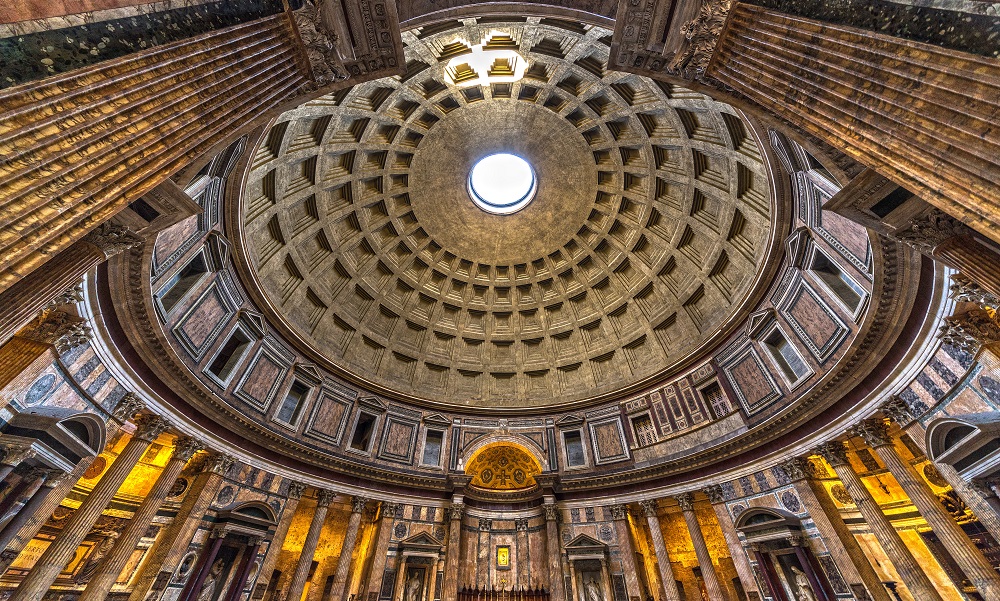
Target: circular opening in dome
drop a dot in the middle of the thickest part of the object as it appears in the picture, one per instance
(502, 183)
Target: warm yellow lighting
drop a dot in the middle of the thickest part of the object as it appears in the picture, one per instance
(493, 61)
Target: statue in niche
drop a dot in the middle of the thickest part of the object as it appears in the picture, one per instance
(803, 590)
(100, 550)
(211, 581)
(593, 590)
(412, 588)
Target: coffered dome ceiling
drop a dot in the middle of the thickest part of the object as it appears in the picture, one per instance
(647, 235)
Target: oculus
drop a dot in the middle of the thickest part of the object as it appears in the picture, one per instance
(502, 183)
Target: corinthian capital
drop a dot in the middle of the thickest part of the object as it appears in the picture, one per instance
(128, 406)
(295, 490)
(58, 328)
(325, 497)
(930, 230)
(358, 504)
(874, 431)
(970, 330)
(686, 501)
(898, 410)
(185, 447)
(834, 452)
(113, 239)
(649, 507)
(964, 290)
(797, 468)
(715, 494)
(148, 427)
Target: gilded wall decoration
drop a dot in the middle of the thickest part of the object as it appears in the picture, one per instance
(503, 467)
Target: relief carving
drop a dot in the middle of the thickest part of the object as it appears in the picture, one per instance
(692, 31)
(320, 44)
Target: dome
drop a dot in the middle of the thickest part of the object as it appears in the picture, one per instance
(648, 232)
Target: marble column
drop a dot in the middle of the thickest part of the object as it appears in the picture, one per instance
(619, 513)
(243, 569)
(988, 515)
(717, 498)
(172, 544)
(387, 516)
(909, 570)
(29, 482)
(111, 566)
(838, 539)
(453, 552)
(209, 552)
(668, 583)
(25, 525)
(14, 452)
(62, 549)
(711, 577)
(767, 571)
(340, 589)
(808, 562)
(295, 490)
(554, 548)
(483, 553)
(30, 295)
(976, 567)
(523, 553)
(298, 583)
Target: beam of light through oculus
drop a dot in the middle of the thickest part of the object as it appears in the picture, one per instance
(502, 183)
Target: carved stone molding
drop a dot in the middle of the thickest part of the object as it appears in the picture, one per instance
(295, 490)
(927, 232)
(964, 290)
(686, 501)
(58, 328)
(113, 239)
(148, 427)
(970, 330)
(834, 452)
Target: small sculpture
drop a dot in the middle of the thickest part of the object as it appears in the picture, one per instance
(413, 588)
(211, 581)
(593, 591)
(803, 590)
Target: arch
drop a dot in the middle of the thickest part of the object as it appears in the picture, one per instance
(523, 442)
(947, 436)
(756, 517)
(503, 466)
(90, 429)
(256, 510)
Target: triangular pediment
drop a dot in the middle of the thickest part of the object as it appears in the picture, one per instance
(421, 539)
(758, 321)
(584, 541)
(569, 420)
(436, 419)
